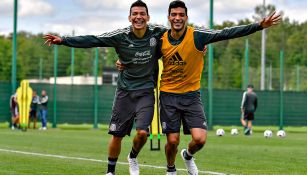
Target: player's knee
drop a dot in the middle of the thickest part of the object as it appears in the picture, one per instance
(172, 145)
(142, 134)
(116, 139)
(200, 141)
(174, 142)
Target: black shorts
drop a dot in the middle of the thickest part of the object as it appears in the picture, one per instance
(33, 114)
(185, 108)
(248, 116)
(129, 107)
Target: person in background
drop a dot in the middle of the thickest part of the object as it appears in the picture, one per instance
(44, 109)
(14, 112)
(33, 110)
(248, 108)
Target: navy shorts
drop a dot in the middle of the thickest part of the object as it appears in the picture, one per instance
(248, 115)
(181, 108)
(131, 107)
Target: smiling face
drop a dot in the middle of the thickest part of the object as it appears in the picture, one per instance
(178, 18)
(139, 17)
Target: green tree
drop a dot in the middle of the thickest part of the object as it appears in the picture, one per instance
(5, 59)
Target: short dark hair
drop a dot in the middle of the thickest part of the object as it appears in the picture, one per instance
(175, 4)
(139, 3)
(250, 86)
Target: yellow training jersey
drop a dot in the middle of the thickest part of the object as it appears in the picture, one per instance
(182, 65)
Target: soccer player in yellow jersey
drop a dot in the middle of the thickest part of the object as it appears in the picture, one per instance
(181, 49)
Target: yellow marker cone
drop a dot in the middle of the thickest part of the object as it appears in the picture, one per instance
(155, 127)
(24, 98)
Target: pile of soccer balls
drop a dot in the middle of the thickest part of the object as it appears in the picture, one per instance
(266, 134)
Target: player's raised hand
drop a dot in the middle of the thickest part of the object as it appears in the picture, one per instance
(52, 39)
(271, 20)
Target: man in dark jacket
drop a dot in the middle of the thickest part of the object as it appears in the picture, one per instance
(248, 108)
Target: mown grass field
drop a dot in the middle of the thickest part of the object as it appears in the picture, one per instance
(228, 154)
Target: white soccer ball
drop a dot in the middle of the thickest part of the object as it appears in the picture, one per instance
(281, 133)
(220, 132)
(267, 134)
(234, 131)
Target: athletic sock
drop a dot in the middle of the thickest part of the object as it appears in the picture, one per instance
(187, 155)
(247, 131)
(111, 164)
(133, 153)
(171, 168)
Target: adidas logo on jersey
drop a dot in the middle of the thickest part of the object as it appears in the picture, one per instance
(176, 60)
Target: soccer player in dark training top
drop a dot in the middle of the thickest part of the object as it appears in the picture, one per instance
(136, 46)
(248, 108)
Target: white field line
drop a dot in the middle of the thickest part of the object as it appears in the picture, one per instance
(97, 160)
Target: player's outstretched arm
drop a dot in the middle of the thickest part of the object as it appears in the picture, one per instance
(86, 41)
(52, 39)
(270, 20)
(205, 36)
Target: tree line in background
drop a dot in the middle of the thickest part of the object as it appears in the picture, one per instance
(34, 58)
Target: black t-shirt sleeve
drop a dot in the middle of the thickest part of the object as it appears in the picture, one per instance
(203, 36)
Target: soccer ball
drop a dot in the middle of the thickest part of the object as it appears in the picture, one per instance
(220, 132)
(281, 133)
(234, 131)
(267, 134)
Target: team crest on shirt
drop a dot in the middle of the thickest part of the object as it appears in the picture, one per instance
(152, 42)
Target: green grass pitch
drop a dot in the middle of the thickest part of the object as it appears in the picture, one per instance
(228, 154)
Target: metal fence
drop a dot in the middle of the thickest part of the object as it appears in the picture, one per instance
(76, 104)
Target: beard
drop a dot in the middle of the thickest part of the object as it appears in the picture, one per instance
(180, 28)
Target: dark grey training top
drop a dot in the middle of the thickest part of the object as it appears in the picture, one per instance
(249, 102)
(137, 54)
